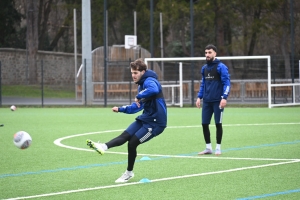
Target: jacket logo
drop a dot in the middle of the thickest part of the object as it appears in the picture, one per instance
(209, 77)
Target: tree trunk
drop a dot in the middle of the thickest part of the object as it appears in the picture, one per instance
(255, 30)
(32, 39)
(61, 30)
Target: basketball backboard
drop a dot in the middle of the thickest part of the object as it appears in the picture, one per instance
(130, 41)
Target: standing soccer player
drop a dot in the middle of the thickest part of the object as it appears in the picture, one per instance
(146, 126)
(214, 90)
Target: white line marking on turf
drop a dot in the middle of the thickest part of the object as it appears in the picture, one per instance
(154, 180)
(58, 143)
(220, 157)
(264, 124)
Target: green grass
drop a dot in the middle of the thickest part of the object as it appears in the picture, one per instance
(260, 156)
(36, 91)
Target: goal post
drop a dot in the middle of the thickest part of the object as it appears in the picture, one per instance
(280, 85)
(293, 85)
(147, 60)
(172, 86)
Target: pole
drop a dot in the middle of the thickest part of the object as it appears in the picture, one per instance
(269, 84)
(151, 31)
(130, 87)
(87, 51)
(85, 89)
(0, 85)
(180, 86)
(192, 49)
(161, 45)
(42, 80)
(27, 73)
(136, 55)
(75, 50)
(134, 14)
(105, 51)
(292, 39)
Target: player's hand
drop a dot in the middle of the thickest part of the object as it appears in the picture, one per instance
(223, 103)
(115, 109)
(198, 102)
(137, 101)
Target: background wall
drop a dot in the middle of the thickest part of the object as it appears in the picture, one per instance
(59, 68)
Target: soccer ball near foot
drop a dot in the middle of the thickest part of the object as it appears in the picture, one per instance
(22, 140)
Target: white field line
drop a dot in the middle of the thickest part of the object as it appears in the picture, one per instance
(154, 180)
(217, 157)
(263, 124)
(58, 143)
(191, 157)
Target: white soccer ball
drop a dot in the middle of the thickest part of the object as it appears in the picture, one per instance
(13, 108)
(22, 140)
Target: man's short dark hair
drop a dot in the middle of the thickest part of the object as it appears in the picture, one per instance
(211, 46)
(138, 65)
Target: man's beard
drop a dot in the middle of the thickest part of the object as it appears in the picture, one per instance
(209, 61)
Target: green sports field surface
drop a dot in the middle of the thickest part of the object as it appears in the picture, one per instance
(260, 156)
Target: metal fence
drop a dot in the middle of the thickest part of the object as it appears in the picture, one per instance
(248, 84)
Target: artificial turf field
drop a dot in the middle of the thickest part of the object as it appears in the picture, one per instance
(260, 156)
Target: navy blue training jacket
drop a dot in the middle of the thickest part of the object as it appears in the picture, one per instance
(215, 82)
(154, 109)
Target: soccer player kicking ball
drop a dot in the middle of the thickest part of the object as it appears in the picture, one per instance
(146, 126)
(214, 90)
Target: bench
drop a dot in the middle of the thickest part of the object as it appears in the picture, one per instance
(256, 89)
(114, 90)
(114, 93)
(282, 91)
(235, 90)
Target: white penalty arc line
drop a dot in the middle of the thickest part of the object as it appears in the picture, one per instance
(58, 143)
(154, 180)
